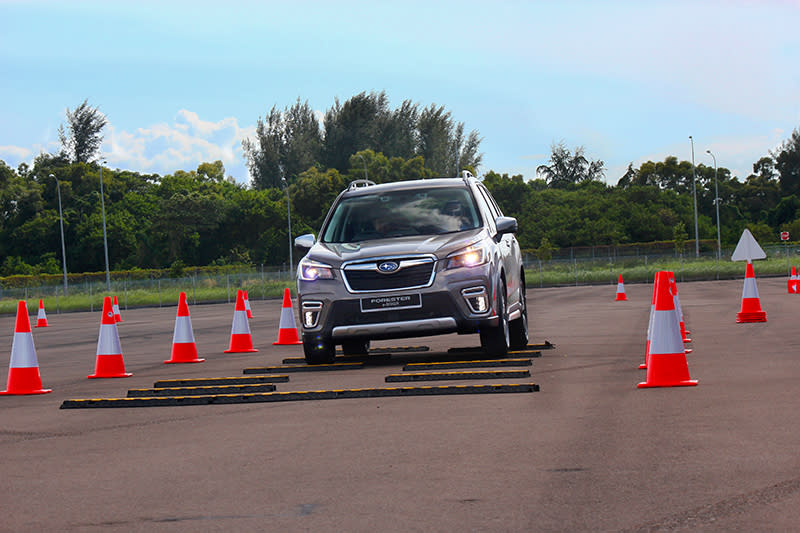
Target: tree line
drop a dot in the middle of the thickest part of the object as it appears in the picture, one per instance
(203, 217)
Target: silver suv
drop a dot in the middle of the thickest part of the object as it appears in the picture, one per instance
(410, 259)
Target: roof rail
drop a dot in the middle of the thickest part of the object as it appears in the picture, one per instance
(357, 184)
(466, 174)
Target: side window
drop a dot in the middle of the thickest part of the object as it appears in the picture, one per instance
(484, 205)
(490, 199)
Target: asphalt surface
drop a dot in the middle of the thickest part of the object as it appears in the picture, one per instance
(588, 451)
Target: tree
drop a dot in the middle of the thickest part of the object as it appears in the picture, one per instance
(787, 163)
(351, 127)
(566, 168)
(264, 155)
(83, 137)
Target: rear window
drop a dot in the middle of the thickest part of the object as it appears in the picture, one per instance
(402, 213)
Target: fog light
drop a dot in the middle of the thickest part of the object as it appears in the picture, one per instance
(476, 299)
(311, 311)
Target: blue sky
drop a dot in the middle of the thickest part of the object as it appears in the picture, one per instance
(184, 82)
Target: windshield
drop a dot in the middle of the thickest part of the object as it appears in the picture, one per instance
(402, 213)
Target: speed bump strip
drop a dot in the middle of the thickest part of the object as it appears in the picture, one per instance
(343, 359)
(298, 396)
(526, 352)
(302, 368)
(200, 391)
(468, 364)
(439, 376)
(238, 380)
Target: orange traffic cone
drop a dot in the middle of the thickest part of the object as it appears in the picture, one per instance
(751, 303)
(793, 281)
(287, 329)
(241, 340)
(184, 349)
(621, 290)
(673, 287)
(109, 363)
(117, 316)
(247, 305)
(23, 370)
(650, 324)
(666, 365)
(41, 318)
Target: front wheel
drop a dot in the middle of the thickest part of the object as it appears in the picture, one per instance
(495, 339)
(318, 350)
(518, 328)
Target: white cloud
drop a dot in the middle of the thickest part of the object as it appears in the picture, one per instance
(181, 145)
(14, 154)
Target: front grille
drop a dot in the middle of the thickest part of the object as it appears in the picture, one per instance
(413, 273)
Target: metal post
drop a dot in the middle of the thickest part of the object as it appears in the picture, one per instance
(365, 166)
(716, 203)
(61, 221)
(289, 219)
(694, 195)
(105, 238)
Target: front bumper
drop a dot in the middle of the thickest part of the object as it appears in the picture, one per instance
(455, 303)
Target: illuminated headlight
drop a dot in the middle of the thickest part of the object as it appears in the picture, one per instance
(309, 270)
(468, 257)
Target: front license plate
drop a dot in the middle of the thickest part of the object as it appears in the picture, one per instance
(391, 303)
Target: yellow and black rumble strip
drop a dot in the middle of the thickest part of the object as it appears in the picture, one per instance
(237, 380)
(440, 376)
(302, 368)
(343, 359)
(201, 391)
(528, 351)
(339, 394)
(468, 364)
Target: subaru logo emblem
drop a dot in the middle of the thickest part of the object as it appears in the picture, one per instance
(387, 267)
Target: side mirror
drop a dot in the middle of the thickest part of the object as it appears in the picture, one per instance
(505, 225)
(305, 241)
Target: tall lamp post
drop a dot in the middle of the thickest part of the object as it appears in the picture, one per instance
(365, 166)
(289, 220)
(105, 238)
(61, 221)
(694, 195)
(716, 204)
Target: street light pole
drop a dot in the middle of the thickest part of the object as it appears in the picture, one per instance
(105, 238)
(289, 220)
(365, 166)
(61, 221)
(694, 195)
(716, 204)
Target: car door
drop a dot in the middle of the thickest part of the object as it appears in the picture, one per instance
(509, 250)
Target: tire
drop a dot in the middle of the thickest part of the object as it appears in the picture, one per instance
(356, 347)
(495, 339)
(318, 351)
(518, 329)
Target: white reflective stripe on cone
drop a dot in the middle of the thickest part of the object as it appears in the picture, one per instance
(183, 330)
(41, 314)
(108, 341)
(650, 322)
(620, 287)
(23, 354)
(240, 325)
(750, 290)
(287, 318)
(668, 339)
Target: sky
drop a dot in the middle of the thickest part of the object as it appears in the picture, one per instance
(184, 82)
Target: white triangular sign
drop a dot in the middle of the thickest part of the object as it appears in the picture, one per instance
(747, 249)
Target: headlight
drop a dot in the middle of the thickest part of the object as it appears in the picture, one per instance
(468, 257)
(309, 270)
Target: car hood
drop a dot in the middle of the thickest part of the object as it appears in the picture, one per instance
(335, 254)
